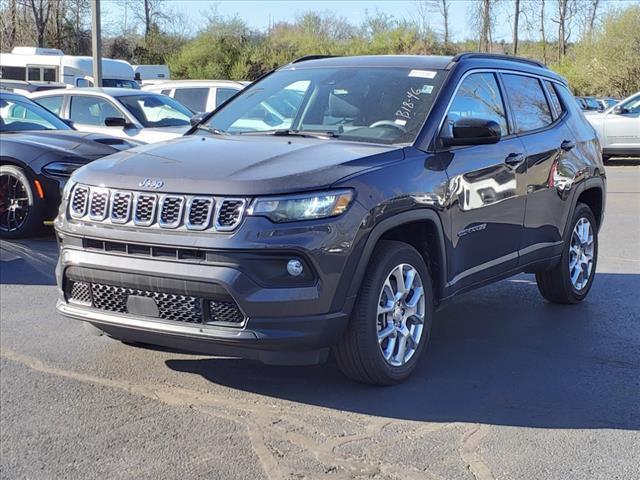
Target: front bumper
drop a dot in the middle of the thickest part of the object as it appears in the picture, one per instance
(285, 323)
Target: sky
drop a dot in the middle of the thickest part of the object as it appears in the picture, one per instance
(259, 14)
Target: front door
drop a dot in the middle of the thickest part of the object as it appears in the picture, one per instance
(486, 198)
(88, 114)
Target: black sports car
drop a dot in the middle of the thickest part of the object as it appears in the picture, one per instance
(38, 152)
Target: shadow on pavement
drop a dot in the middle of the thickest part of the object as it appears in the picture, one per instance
(500, 355)
(28, 262)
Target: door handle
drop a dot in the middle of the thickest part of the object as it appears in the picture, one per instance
(567, 145)
(514, 159)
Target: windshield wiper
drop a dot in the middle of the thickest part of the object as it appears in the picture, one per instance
(215, 131)
(286, 132)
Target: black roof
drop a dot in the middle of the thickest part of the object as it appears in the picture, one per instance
(438, 62)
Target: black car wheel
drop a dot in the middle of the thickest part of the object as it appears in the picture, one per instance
(391, 320)
(19, 207)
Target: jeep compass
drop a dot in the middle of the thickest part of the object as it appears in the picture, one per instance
(332, 206)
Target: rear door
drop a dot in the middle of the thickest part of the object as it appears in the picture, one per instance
(541, 122)
(194, 98)
(487, 198)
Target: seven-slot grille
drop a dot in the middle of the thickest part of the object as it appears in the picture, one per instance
(78, 206)
(145, 209)
(229, 213)
(170, 211)
(98, 204)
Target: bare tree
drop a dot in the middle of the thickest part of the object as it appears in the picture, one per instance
(426, 8)
(516, 19)
(483, 18)
(40, 10)
(566, 12)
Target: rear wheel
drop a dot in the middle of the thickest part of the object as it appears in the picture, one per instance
(391, 321)
(20, 209)
(570, 281)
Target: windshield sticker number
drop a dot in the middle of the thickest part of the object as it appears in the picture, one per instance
(406, 110)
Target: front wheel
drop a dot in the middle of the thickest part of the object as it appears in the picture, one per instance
(391, 321)
(570, 281)
(20, 209)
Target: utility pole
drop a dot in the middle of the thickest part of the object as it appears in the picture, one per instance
(96, 43)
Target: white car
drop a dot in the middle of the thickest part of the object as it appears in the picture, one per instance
(199, 95)
(618, 128)
(147, 117)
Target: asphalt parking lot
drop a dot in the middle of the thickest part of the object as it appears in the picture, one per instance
(511, 388)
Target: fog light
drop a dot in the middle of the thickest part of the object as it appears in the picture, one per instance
(294, 267)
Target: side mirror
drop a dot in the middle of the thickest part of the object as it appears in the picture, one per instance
(473, 131)
(619, 110)
(197, 118)
(115, 122)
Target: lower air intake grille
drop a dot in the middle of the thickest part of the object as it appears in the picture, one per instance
(178, 308)
(227, 312)
(172, 307)
(80, 293)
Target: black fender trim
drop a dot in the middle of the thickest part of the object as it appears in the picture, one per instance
(586, 184)
(423, 214)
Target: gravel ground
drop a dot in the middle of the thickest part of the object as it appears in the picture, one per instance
(511, 388)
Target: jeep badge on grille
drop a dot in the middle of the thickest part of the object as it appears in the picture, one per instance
(151, 183)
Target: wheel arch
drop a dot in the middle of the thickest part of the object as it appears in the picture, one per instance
(421, 229)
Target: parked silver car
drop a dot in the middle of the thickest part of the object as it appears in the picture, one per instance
(147, 117)
(618, 128)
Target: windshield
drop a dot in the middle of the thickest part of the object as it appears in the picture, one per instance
(156, 110)
(368, 104)
(119, 83)
(18, 116)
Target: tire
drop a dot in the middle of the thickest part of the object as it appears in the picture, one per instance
(556, 284)
(359, 354)
(24, 218)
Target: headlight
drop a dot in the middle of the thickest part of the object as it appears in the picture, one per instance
(302, 207)
(63, 169)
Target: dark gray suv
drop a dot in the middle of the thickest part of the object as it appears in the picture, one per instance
(333, 205)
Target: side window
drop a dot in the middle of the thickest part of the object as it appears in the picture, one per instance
(166, 91)
(91, 110)
(528, 103)
(52, 103)
(555, 100)
(83, 82)
(49, 74)
(479, 97)
(632, 106)
(12, 73)
(33, 74)
(193, 98)
(224, 94)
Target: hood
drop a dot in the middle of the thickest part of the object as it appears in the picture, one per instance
(89, 146)
(237, 165)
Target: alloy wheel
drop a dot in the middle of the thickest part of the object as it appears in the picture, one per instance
(581, 254)
(14, 202)
(401, 311)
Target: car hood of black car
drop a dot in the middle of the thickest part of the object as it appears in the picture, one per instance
(237, 165)
(89, 146)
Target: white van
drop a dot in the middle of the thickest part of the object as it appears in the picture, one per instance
(151, 74)
(34, 64)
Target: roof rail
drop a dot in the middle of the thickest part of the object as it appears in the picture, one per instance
(498, 56)
(312, 57)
